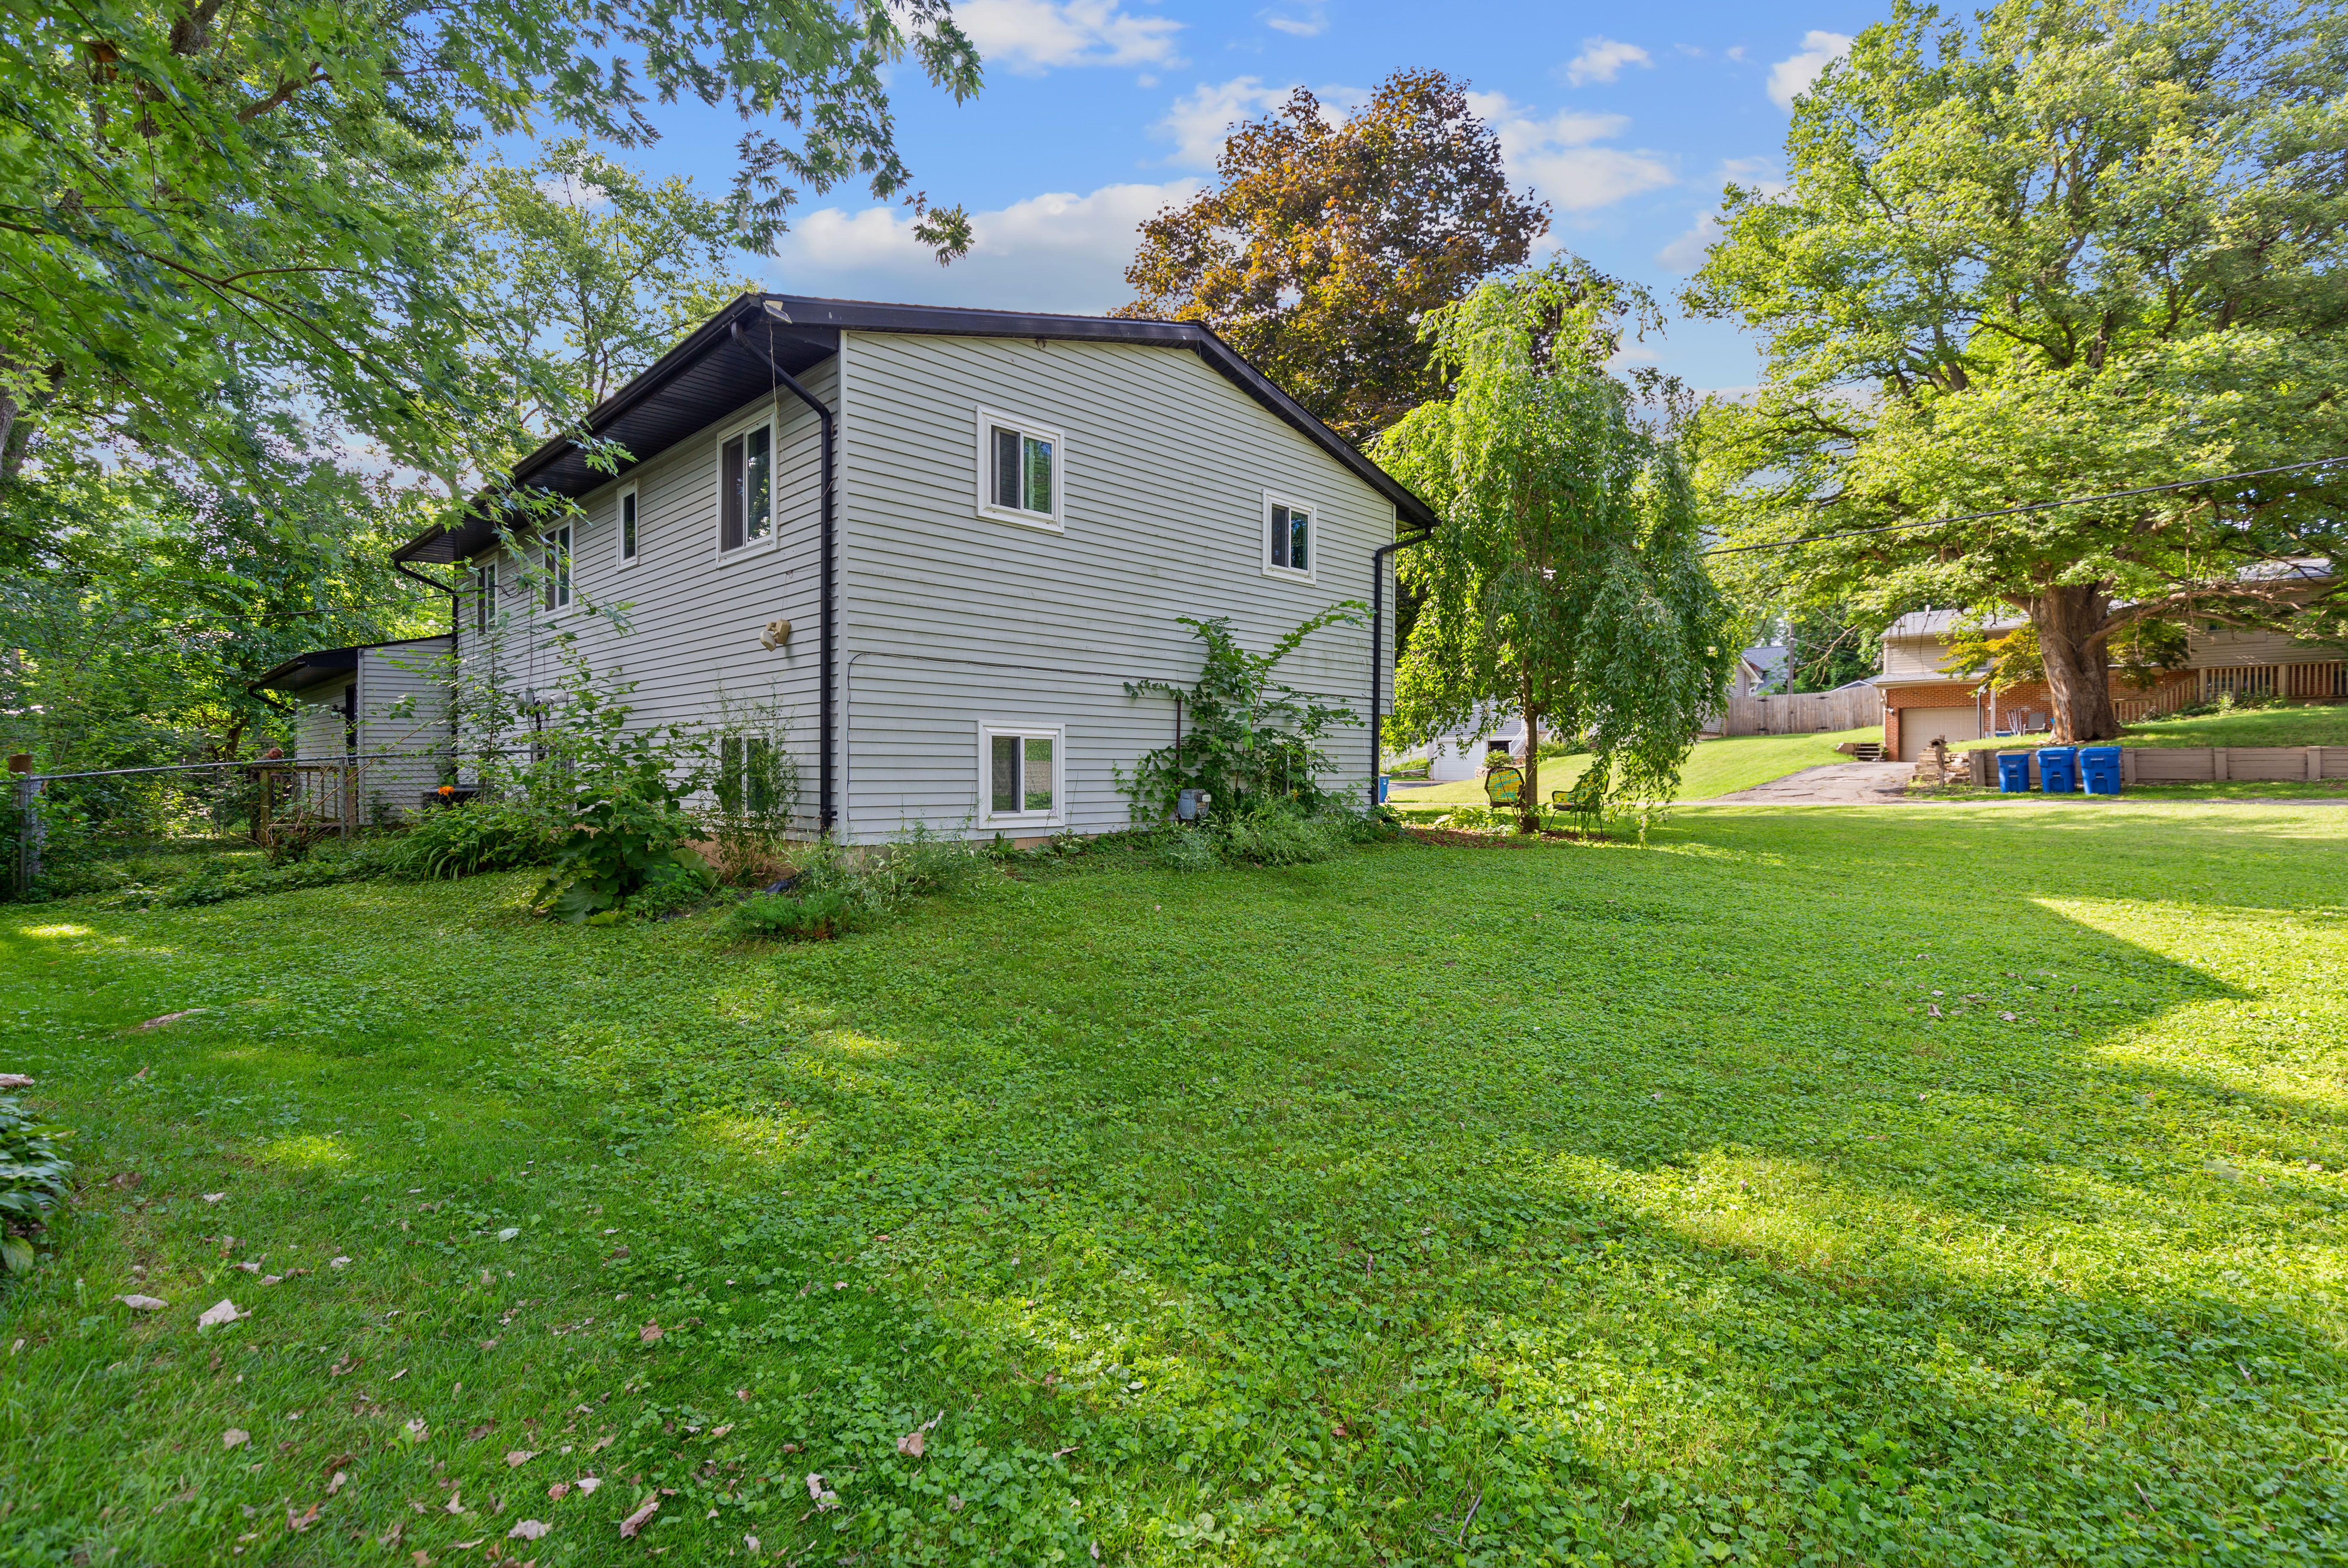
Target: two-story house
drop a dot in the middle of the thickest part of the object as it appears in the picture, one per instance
(940, 542)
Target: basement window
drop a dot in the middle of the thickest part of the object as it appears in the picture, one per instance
(1022, 775)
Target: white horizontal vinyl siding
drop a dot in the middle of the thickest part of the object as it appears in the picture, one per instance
(952, 618)
(1913, 656)
(320, 732)
(2229, 649)
(403, 723)
(681, 624)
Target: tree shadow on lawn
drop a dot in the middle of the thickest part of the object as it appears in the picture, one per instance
(1616, 1227)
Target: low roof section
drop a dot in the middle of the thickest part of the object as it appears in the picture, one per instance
(304, 670)
(732, 357)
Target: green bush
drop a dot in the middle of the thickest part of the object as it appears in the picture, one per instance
(684, 889)
(466, 840)
(1272, 833)
(32, 1182)
(817, 915)
(1186, 848)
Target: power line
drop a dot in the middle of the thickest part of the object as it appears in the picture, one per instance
(2032, 507)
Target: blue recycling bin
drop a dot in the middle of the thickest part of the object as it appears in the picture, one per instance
(1386, 782)
(2099, 769)
(2058, 770)
(2013, 772)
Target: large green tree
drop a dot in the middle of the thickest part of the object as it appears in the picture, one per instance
(1563, 581)
(2064, 250)
(1326, 239)
(197, 195)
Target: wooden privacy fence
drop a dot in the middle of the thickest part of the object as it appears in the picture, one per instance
(1804, 713)
(2196, 765)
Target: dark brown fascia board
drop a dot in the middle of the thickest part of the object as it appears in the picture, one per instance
(951, 321)
(269, 678)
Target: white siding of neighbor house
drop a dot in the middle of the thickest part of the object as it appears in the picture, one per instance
(2229, 649)
(951, 620)
(403, 723)
(692, 621)
(1913, 656)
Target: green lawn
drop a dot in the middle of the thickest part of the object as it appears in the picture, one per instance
(1462, 1206)
(1713, 768)
(2298, 724)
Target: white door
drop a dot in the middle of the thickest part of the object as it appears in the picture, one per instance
(1920, 727)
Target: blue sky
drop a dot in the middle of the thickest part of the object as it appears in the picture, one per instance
(1096, 113)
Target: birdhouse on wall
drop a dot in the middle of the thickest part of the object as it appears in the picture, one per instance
(775, 634)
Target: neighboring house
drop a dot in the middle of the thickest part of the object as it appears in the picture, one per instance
(382, 707)
(1758, 670)
(1461, 753)
(1922, 704)
(935, 545)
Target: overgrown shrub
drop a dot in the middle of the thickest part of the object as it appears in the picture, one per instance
(33, 1175)
(479, 835)
(1272, 833)
(817, 915)
(687, 888)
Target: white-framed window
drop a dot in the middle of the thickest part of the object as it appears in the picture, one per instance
(1290, 546)
(1023, 775)
(485, 596)
(554, 592)
(745, 487)
(631, 537)
(1021, 468)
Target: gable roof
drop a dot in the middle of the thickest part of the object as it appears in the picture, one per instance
(723, 363)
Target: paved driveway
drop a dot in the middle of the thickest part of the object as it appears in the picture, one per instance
(1836, 784)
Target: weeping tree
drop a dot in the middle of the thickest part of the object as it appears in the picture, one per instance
(1563, 579)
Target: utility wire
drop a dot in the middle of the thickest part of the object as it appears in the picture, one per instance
(2032, 507)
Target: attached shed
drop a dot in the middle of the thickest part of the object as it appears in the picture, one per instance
(380, 708)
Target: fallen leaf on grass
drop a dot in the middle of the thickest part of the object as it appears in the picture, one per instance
(339, 1263)
(348, 1364)
(478, 1433)
(304, 1522)
(528, 1530)
(911, 1443)
(336, 1485)
(166, 1017)
(14, 1080)
(235, 1438)
(649, 1333)
(824, 1499)
(220, 1312)
(418, 1431)
(248, 1267)
(516, 1457)
(214, 1197)
(635, 1522)
(716, 1433)
(456, 1504)
(123, 1179)
(588, 1483)
(558, 1491)
(142, 1303)
(602, 1442)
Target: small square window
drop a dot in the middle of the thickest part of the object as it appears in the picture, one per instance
(1023, 783)
(1019, 465)
(627, 526)
(554, 593)
(1288, 543)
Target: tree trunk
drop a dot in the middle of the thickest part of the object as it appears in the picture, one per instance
(1529, 804)
(2074, 623)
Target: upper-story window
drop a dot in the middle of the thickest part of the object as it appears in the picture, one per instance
(1288, 547)
(745, 487)
(485, 596)
(1019, 464)
(554, 593)
(628, 541)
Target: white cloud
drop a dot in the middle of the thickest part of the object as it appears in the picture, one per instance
(1029, 37)
(1685, 254)
(1737, 53)
(1790, 77)
(1602, 59)
(1202, 117)
(1556, 157)
(1301, 22)
(1058, 252)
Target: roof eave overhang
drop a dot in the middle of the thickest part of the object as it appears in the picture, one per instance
(812, 326)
